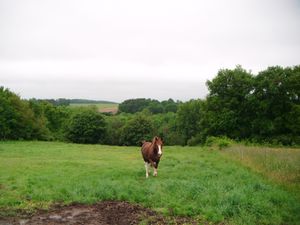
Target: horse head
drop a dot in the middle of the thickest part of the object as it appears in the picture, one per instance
(158, 143)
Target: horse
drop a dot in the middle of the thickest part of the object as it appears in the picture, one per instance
(152, 152)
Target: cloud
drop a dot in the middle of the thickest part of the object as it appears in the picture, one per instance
(117, 49)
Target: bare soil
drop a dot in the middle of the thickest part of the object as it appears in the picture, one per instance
(102, 213)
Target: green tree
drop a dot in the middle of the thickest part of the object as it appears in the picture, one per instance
(136, 130)
(86, 126)
(134, 105)
(155, 107)
(17, 119)
(228, 109)
(276, 101)
(189, 115)
(115, 126)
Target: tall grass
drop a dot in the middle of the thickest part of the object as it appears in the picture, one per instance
(281, 165)
(192, 181)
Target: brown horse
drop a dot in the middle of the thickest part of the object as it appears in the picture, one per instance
(152, 151)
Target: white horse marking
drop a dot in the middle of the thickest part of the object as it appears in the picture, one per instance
(159, 150)
(147, 169)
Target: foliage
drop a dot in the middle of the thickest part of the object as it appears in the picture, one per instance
(139, 128)
(220, 142)
(154, 106)
(18, 120)
(198, 139)
(114, 128)
(264, 108)
(261, 109)
(166, 126)
(276, 101)
(86, 126)
(192, 181)
(228, 103)
(189, 116)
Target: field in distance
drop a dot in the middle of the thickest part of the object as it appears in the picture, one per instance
(102, 107)
(200, 183)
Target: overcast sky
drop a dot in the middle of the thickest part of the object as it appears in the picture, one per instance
(115, 50)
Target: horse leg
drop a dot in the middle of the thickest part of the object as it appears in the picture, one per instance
(155, 172)
(147, 169)
(155, 168)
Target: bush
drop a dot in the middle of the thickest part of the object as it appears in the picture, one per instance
(87, 126)
(220, 142)
(196, 140)
(173, 138)
(136, 130)
(115, 125)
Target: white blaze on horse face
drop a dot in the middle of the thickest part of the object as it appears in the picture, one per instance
(159, 150)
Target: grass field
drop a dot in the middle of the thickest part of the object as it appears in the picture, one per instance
(102, 107)
(281, 165)
(192, 181)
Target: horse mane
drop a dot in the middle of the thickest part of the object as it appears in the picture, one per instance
(154, 140)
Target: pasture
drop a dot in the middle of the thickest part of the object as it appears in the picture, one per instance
(101, 107)
(281, 165)
(196, 182)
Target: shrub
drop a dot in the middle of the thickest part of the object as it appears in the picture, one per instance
(87, 126)
(220, 142)
(196, 140)
(136, 130)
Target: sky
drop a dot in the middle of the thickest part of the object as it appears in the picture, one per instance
(117, 50)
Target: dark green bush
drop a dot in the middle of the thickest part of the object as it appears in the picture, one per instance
(86, 126)
(196, 140)
(136, 130)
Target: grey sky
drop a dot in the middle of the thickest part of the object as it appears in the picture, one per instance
(115, 50)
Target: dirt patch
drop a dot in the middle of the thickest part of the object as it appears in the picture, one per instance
(107, 212)
(113, 110)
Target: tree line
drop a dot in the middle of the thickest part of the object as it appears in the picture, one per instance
(242, 106)
(152, 105)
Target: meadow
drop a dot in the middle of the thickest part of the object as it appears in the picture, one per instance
(101, 107)
(281, 165)
(198, 182)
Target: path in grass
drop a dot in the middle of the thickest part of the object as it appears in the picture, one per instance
(191, 181)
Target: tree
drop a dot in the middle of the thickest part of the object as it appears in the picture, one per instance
(155, 107)
(115, 126)
(276, 100)
(169, 106)
(189, 115)
(134, 105)
(86, 126)
(228, 109)
(136, 130)
(17, 119)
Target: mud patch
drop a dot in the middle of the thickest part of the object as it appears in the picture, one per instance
(103, 213)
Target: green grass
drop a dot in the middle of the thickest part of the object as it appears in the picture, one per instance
(192, 181)
(281, 165)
